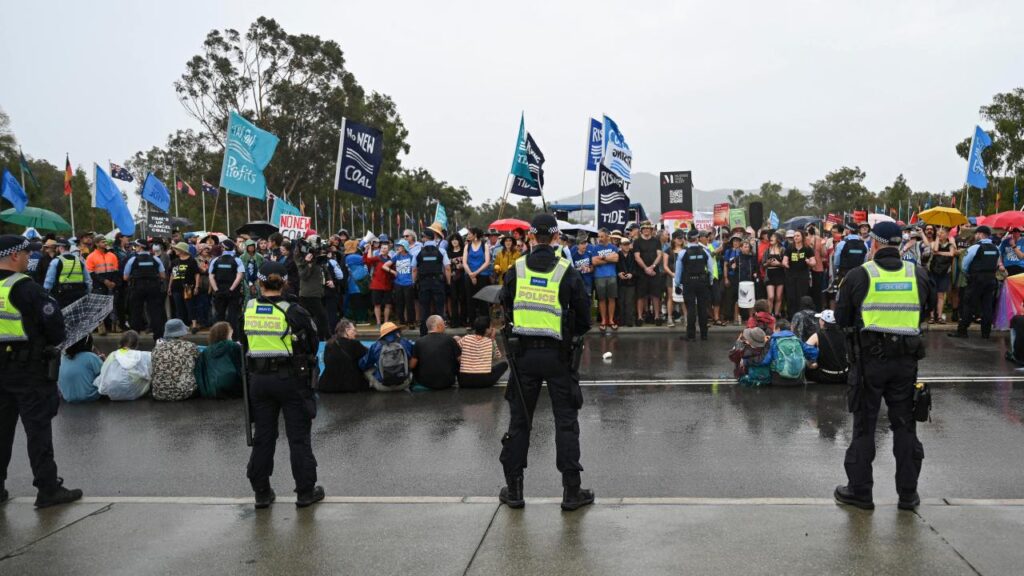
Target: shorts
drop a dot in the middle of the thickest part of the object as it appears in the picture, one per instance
(607, 288)
(716, 291)
(380, 297)
(941, 281)
(651, 286)
(776, 276)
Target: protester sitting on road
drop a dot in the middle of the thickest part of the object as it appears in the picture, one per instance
(389, 363)
(79, 367)
(126, 372)
(476, 364)
(804, 323)
(437, 356)
(788, 355)
(341, 361)
(218, 370)
(174, 364)
(833, 362)
(762, 318)
(752, 369)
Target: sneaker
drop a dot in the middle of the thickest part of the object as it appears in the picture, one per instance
(843, 495)
(309, 498)
(57, 495)
(909, 502)
(264, 498)
(575, 498)
(511, 495)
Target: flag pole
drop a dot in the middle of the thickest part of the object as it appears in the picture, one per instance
(248, 210)
(586, 163)
(316, 221)
(203, 198)
(174, 176)
(21, 168)
(504, 197)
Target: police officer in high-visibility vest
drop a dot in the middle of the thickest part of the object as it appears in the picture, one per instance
(145, 276)
(695, 270)
(31, 326)
(979, 264)
(882, 304)
(547, 305)
(67, 278)
(280, 344)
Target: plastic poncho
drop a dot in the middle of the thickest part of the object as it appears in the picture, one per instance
(125, 375)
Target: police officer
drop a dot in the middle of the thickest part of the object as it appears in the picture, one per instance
(226, 275)
(31, 325)
(850, 253)
(980, 264)
(882, 303)
(66, 277)
(431, 271)
(280, 346)
(545, 300)
(695, 270)
(144, 274)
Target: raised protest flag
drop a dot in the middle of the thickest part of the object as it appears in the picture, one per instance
(975, 166)
(612, 202)
(535, 164)
(68, 175)
(209, 188)
(521, 157)
(282, 208)
(25, 169)
(722, 214)
(773, 220)
(360, 151)
(109, 198)
(595, 145)
(441, 216)
(120, 173)
(247, 151)
(155, 192)
(13, 192)
(184, 187)
(617, 155)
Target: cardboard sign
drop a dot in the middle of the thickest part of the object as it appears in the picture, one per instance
(292, 226)
(722, 214)
(158, 225)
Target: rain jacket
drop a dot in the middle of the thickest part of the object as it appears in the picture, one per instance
(219, 370)
(125, 375)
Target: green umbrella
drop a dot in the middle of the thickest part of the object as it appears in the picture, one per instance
(36, 218)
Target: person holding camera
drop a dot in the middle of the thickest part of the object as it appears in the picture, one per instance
(309, 260)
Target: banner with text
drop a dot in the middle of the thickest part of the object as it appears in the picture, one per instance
(247, 151)
(612, 202)
(722, 214)
(158, 225)
(737, 218)
(293, 226)
(360, 151)
(676, 191)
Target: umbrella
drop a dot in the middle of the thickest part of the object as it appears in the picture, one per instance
(490, 294)
(259, 229)
(82, 316)
(1005, 220)
(943, 216)
(568, 226)
(36, 218)
(180, 222)
(509, 224)
(677, 215)
(800, 222)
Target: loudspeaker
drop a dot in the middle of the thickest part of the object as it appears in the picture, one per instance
(756, 215)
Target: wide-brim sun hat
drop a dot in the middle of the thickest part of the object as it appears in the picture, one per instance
(175, 328)
(388, 328)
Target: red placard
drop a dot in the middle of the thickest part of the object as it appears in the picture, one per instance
(860, 216)
(721, 215)
(835, 218)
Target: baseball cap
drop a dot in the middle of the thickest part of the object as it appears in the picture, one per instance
(827, 315)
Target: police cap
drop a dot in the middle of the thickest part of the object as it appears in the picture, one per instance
(984, 230)
(269, 268)
(12, 244)
(544, 224)
(887, 233)
(692, 234)
(228, 244)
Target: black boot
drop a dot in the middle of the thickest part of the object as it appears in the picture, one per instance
(574, 498)
(57, 495)
(909, 501)
(844, 495)
(957, 334)
(512, 494)
(4, 495)
(305, 499)
(264, 498)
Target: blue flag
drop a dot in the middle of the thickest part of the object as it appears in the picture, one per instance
(14, 192)
(109, 198)
(521, 158)
(247, 152)
(612, 204)
(282, 208)
(617, 156)
(773, 220)
(975, 166)
(595, 145)
(156, 193)
(441, 216)
(360, 152)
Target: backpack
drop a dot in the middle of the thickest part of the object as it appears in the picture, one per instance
(393, 364)
(789, 358)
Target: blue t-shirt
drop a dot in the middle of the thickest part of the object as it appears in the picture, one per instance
(77, 375)
(729, 255)
(605, 270)
(1010, 257)
(403, 268)
(582, 260)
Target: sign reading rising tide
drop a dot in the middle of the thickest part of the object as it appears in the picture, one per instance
(676, 191)
(612, 202)
(360, 150)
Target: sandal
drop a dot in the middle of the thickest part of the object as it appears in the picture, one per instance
(615, 327)
(603, 328)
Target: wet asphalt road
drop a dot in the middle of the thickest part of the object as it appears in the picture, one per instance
(677, 439)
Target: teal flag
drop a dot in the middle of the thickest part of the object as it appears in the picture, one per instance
(247, 151)
(441, 217)
(521, 159)
(26, 169)
(282, 208)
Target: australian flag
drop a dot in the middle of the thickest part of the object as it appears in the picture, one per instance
(121, 173)
(209, 188)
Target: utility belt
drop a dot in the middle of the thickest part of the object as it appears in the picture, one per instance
(881, 345)
(140, 282)
(539, 343)
(275, 365)
(31, 357)
(980, 276)
(71, 287)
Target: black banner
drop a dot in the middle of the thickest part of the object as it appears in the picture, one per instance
(676, 191)
(612, 202)
(158, 225)
(535, 158)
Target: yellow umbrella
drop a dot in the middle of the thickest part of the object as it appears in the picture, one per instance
(943, 216)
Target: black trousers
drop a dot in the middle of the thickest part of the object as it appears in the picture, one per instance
(467, 380)
(331, 302)
(180, 306)
(272, 394)
(66, 296)
(797, 286)
(227, 308)
(405, 304)
(535, 368)
(475, 307)
(697, 296)
(431, 301)
(315, 307)
(891, 379)
(148, 300)
(978, 301)
(33, 398)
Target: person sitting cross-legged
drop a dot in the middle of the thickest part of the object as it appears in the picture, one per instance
(389, 363)
(476, 365)
(437, 356)
(787, 355)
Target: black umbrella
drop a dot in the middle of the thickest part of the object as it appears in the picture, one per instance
(258, 229)
(490, 294)
(800, 222)
(181, 223)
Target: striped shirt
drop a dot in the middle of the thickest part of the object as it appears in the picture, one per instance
(477, 354)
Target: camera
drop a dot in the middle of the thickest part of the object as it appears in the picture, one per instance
(312, 245)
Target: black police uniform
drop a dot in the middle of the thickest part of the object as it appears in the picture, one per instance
(696, 290)
(980, 293)
(540, 360)
(68, 293)
(227, 303)
(28, 389)
(279, 385)
(146, 295)
(430, 283)
(890, 371)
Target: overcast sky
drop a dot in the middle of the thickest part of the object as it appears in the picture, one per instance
(739, 93)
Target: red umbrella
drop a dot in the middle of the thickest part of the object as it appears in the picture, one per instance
(677, 215)
(1006, 220)
(509, 224)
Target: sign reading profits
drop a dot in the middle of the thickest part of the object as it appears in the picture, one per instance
(737, 218)
(595, 145)
(612, 202)
(676, 191)
(247, 152)
(158, 225)
(293, 226)
(722, 214)
(360, 150)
